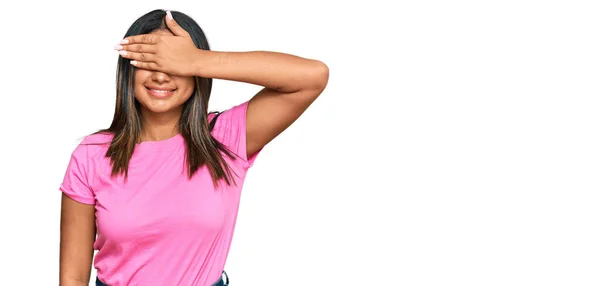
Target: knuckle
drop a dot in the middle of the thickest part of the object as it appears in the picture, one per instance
(143, 57)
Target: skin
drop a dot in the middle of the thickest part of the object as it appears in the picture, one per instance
(160, 116)
(169, 59)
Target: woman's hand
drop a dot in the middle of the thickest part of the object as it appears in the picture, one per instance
(173, 53)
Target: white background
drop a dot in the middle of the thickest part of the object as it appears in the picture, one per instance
(456, 144)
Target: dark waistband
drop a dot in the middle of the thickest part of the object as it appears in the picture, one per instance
(220, 282)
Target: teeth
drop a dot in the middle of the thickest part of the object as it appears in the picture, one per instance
(160, 91)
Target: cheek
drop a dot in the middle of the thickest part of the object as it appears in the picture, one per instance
(187, 83)
(186, 87)
(140, 77)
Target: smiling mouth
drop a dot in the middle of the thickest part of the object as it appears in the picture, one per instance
(160, 92)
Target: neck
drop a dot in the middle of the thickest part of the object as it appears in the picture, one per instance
(159, 126)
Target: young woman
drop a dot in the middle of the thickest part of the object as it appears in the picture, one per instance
(157, 193)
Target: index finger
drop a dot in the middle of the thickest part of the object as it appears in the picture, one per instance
(140, 39)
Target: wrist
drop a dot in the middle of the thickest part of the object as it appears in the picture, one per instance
(203, 60)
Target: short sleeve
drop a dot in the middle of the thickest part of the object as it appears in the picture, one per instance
(75, 183)
(230, 130)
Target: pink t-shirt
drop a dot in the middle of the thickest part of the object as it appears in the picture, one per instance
(158, 227)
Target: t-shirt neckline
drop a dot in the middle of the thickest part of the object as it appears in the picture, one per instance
(159, 145)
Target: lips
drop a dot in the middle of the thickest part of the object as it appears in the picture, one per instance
(160, 92)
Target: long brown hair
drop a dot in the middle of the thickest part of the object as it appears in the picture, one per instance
(201, 147)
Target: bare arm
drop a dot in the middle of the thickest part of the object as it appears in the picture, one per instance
(77, 235)
(291, 85)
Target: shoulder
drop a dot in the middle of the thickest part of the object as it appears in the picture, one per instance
(94, 144)
(80, 172)
(229, 118)
(99, 138)
(229, 128)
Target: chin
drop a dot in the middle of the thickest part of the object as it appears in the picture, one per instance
(159, 110)
(160, 107)
(157, 105)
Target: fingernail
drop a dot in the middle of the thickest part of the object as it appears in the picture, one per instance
(118, 47)
(134, 63)
(122, 53)
(124, 42)
(169, 15)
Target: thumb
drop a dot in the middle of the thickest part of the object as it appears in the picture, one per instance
(174, 27)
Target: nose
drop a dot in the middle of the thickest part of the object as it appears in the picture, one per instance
(160, 77)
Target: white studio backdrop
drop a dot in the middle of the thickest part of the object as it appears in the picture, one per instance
(456, 144)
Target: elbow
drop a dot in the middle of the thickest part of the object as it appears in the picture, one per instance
(310, 78)
(319, 75)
